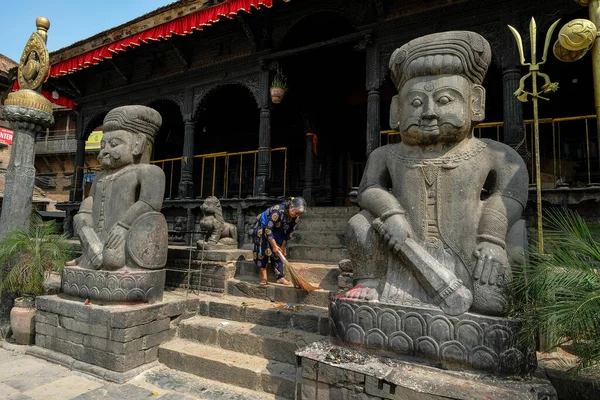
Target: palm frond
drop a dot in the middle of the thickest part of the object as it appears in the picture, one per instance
(27, 257)
(557, 294)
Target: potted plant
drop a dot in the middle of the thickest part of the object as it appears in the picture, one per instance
(278, 87)
(27, 258)
(557, 293)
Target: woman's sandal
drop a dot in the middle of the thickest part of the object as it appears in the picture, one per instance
(283, 281)
(263, 282)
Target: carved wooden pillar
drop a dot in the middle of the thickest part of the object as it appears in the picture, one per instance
(512, 107)
(373, 101)
(77, 192)
(261, 187)
(511, 74)
(186, 184)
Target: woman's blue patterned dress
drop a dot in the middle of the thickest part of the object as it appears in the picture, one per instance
(273, 223)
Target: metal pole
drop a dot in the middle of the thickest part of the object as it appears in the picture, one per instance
(594, 10)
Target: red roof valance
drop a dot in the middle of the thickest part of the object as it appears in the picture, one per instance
(180, 26)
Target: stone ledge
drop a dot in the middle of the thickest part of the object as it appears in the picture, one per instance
(99, 372)
(396, 379)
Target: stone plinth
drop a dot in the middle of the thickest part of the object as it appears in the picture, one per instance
(113, 341)
(325, 371)
(114, 286)
(469, 340)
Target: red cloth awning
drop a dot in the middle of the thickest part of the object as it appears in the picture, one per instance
(180, 26)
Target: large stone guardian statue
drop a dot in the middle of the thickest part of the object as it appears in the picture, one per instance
(441, 218)
(123, 234)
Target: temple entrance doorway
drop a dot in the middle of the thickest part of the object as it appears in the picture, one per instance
(326, 97)
(168, 144)
(225, 143)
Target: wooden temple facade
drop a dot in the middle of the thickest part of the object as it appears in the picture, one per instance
(222, 135)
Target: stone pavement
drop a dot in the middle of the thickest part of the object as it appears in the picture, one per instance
(24, 377)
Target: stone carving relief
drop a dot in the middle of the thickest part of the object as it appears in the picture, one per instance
(216, 231)
(123, 234)
(441, 215)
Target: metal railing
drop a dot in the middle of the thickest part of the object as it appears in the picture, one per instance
(569, 149)
(219, 174)
(61, 141)
(224, 174)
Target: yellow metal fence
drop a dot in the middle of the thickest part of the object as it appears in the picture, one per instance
(216, 174)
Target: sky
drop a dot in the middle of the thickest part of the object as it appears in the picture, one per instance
(70, 20)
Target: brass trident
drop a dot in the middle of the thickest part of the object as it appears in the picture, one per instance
(522, 95)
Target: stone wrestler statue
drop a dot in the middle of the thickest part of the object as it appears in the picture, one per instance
(119, 224)
(441, 209)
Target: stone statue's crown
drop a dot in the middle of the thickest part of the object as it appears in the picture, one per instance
(134, 119)
(455, 53)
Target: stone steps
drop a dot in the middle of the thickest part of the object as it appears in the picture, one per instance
(272, 343)
(302, 317)
(248, 286)
(318, 238)
(230, 367)
(333, 211)
(324, 275)
(323, 224)
(322, 254)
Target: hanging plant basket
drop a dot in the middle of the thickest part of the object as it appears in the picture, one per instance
(277, 94)
(278, 87)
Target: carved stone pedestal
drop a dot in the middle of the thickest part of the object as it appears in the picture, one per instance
(114, 286)
(325, 371)
(113, 342)
(471, 341)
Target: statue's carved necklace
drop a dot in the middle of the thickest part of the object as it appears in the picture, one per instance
(446, 161)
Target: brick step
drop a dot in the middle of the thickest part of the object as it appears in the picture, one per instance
(256, 340)
(230, 367)
(248, 286)
(264, 312)
(323, 275)
(323, 254)
(187, 386)
(320, 238)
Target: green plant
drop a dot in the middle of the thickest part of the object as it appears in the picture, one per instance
(27, 257)
(279, 80)
(557, 294)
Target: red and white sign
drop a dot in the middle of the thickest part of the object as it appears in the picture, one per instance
(6, 136)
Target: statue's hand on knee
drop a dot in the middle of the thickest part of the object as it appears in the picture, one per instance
(365, 289)
(394, 231)
(116, 236)
(492, 263)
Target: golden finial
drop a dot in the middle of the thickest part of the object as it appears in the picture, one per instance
(43, 24)
(34, 68)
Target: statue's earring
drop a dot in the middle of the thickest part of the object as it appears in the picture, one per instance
(394, 113)
(140, 144)
(478, 103)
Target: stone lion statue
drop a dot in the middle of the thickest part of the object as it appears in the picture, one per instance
(218, 232)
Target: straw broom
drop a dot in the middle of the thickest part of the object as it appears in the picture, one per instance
(297, 279)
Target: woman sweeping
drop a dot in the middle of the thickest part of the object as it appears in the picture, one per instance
(272, 230)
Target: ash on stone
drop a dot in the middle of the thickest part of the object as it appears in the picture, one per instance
(343, 355)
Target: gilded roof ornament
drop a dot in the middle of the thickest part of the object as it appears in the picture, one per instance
(35, 63)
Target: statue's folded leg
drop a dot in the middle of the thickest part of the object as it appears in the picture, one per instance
(367, 253)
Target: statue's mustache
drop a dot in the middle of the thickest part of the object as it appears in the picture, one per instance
(418, 121)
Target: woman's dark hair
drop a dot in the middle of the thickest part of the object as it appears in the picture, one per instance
(298, 203)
